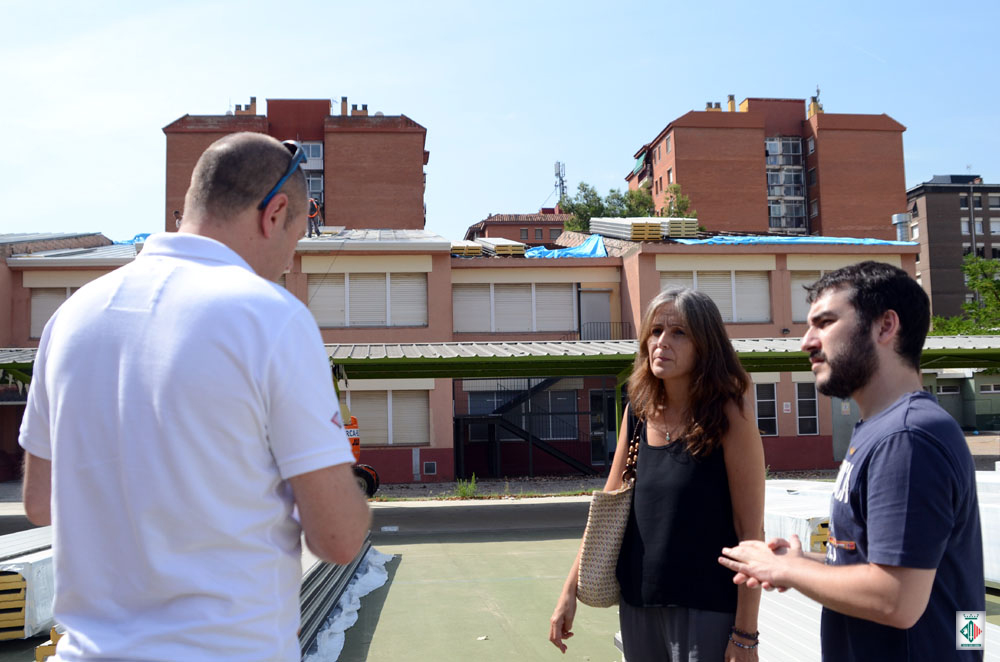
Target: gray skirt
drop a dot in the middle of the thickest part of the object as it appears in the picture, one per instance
(673, 634)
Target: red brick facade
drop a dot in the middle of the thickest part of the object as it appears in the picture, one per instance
(855, 164)
(372, 164)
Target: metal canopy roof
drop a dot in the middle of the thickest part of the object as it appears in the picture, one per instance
(579, 358)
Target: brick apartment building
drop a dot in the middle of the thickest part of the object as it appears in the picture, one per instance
(365, 170)
(777, 165)
(532, 229)
(946, 226)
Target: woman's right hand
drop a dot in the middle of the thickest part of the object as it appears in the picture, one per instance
(561, 623)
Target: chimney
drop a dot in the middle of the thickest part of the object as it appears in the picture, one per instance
(717, 107)
(354, 109)
(364, 110)
(247, 109)
(343, 106)
(902, 223)
(815, 107)
(708, 105)
(731, 103)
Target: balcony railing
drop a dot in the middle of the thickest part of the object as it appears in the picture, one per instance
(603, 331)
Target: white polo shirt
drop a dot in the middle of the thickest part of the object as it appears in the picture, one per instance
(175, 396)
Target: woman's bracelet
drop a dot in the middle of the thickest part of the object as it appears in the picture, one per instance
(746, 635)
(739, 645)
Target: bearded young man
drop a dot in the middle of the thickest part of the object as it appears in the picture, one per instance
(905, 551)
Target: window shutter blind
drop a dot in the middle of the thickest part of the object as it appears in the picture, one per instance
(410, 417)
(800, 309)
(367, 292)
(513, 307)
(44, 302)
(326, 299)
(670, 279)
(471, 307)
(753, 297)
(371, 410)
(408, 298)
(554, 307)
(719, 287)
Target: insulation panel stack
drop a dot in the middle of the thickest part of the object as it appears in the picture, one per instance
(501, 246)
(633, 229)
(680, 227)
(466, 248)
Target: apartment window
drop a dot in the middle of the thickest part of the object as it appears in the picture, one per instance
(539, 234)
(977, 201)
(980, 249)
(801, 279)
(44, 302)
(947, 389)
(813, 208)
(396, 417)
(741, 296)
(657, 152)
(811, 142)
(994, 252)
(767, 410)
(914, 232)
(994, 200)
(660, 180)
(524, 234)
(314, 182)
(914, 210)
(808, 412)
(554, 233)
(511, 307)
(313, 150)
(811, 177)
(995, 226)
(989, 388)
(382, 299)
(963, 201)
(965, 224)
(666, 145)
(670, 176)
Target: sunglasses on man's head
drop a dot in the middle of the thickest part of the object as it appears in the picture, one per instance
(298, 157)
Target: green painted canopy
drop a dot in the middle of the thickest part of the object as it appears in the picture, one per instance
(579, 358)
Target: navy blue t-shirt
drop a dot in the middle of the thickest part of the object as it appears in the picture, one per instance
(906, 497)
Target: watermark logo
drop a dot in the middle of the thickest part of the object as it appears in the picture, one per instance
(970, 630)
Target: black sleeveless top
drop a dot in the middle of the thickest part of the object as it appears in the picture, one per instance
(681, 518)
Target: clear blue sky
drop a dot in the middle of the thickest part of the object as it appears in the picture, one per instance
(504, 89)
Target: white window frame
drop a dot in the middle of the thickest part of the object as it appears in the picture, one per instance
(534, 312)
(989, 388)
(948, 389)
(388, 303)
(38, 326)
(774, 399)
(733, 306)
(800, 417)
(346, 395)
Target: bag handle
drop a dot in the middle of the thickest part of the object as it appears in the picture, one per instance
(633, 453)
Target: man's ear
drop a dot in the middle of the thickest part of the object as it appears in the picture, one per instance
(887, 327)
(274, 214)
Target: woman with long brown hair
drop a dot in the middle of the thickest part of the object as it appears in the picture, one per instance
(699, 487)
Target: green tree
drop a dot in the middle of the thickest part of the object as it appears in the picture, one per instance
(588, 204)
(981, 316)
(678, 204)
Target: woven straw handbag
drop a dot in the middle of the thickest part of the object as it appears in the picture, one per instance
(597, 584)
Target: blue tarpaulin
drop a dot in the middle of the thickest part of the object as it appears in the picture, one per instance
(138, 239)
(593, 247)
(749, 241)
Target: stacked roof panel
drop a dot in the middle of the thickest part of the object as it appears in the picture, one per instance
(501, 246)
(633, 229)
(466, 248)
(680, 227)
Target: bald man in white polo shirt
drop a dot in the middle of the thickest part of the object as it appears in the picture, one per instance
(182, 431)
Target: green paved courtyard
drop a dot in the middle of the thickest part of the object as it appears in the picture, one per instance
(447, 592)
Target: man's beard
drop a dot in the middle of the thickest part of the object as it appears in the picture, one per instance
(852, 370)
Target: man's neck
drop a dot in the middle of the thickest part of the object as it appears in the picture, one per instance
(888, 384)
